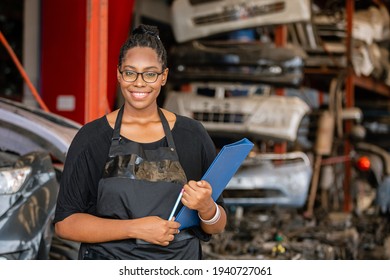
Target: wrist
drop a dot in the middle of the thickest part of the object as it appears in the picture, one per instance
(214, 219)
(208, 210)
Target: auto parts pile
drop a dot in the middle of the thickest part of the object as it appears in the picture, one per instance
(232, 108)
(271, 179)
(247, 62)
(193, 19)
(324, 40)
(228, 111)
(277, 233)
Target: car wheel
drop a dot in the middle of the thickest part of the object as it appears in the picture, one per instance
(63, 249)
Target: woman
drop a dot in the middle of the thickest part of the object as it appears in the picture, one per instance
(124, 171)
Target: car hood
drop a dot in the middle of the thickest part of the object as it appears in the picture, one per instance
(24, 129)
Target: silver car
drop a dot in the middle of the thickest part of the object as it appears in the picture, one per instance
(33, 147)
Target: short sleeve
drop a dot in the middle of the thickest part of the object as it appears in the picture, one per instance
(83, 169)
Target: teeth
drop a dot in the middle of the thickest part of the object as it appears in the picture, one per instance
(140, 94)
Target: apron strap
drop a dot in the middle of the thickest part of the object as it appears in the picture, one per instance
(116, 136)
(167, 130)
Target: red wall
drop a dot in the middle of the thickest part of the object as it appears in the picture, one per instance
(63, 51)
(119, 27)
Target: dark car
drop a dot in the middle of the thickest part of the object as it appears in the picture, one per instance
(33, 147)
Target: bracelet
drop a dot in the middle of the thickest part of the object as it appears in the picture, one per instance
(214, 219)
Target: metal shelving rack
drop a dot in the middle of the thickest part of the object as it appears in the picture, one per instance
(351, 83)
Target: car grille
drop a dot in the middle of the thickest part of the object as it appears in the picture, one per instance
(238, 12)
(220, 117)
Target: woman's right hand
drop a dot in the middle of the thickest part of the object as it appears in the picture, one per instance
(87, 228)
(158, 231)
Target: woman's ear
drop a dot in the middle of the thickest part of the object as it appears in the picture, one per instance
(164, 77)
(118, 75)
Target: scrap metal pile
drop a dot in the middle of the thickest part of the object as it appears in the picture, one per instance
(225, 72)
(285, 234)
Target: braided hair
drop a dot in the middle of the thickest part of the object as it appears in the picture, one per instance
(145, 36)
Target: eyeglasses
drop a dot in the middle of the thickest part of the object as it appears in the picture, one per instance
(132, 76)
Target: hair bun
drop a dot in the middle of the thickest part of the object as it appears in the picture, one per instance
(146, 29)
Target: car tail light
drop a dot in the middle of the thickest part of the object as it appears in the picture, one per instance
(363, 163)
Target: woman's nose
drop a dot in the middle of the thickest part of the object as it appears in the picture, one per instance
(139, 81)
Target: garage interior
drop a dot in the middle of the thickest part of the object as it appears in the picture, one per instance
(312, 90)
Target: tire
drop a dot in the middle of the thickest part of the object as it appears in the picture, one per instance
(63, 249)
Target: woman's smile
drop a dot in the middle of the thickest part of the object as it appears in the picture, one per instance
(139, 94)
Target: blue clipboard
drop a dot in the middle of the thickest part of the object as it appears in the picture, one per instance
(220, 172)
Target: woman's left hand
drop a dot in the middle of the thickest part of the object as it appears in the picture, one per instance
(197, 196)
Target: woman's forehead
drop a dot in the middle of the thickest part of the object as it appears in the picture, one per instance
(141, 57)
(138, 53)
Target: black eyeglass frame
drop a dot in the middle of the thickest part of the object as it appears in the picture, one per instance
(142, 75)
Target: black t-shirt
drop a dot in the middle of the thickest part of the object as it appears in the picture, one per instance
(89, 151)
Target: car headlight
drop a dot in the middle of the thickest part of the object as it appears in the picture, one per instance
(11, 180)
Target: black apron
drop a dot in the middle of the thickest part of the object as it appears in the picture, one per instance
(139, 183)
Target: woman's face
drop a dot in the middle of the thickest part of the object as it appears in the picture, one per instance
(140, 94)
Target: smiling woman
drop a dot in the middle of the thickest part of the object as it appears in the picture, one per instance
(124, 171)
